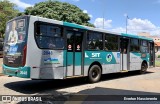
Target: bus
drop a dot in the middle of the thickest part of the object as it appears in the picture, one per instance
(41, 48)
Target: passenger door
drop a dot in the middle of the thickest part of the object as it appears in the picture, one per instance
(151, 53)
(124, 49)
(74, 53)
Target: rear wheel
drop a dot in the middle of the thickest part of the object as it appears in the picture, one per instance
(94, 74)
(143, 68)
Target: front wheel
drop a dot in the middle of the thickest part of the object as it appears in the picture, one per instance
(94, 74)
(143, 68)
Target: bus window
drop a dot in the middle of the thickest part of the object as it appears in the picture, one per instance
(144, 46)
(111, 42)
(134, 45)
(123, 46)
(49, 36)
(95, 41)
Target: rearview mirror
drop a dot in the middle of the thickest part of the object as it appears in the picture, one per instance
(156, 48)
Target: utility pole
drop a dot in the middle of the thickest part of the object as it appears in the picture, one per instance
(126, 15)
(103, 11)
(103, 20)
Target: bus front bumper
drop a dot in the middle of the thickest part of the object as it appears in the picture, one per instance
(22, 72)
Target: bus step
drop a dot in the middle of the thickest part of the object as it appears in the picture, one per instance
(124, 71)
(74, 76)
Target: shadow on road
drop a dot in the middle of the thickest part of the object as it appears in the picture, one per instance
(114, 96)
(38, 86)
(101, 96)
(122, 75)
(110, 91)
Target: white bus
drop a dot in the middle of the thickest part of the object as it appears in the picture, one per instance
(41, 48)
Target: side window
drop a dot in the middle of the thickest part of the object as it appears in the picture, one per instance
(94, 41)
(111, 42)
(144, 46)
(134, 45)
(70, 40)
(144, 43)
(48, 36)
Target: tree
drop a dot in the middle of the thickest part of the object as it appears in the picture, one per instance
(59, 11)
(7, 12)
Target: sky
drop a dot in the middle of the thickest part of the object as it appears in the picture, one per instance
(141, 15)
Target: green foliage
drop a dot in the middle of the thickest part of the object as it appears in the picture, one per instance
(60, 11)
(158, 56)
(7, 12)
(157, 63)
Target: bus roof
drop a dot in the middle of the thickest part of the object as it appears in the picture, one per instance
(74, 25)
(136, 36)
(18, 18)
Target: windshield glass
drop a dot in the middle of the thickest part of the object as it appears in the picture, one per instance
(15, 40)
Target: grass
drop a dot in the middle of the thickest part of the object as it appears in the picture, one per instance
(157, 63)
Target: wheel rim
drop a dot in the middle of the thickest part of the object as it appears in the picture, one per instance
(95, 73)
(144, 67)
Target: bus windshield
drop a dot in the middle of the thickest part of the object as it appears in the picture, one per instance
(15, 42)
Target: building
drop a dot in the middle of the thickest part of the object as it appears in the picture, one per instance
(155, 38)
(146, 34)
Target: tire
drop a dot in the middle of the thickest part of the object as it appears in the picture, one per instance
(143, 68)
(94, 74)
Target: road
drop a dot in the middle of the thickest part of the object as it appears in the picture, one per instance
(130, 83)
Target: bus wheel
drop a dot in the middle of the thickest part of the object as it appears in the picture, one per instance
(94, 74)
(143, 68)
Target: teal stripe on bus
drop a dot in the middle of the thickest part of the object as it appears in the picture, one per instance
(78, 58)
(74, 25)
(90, 57)
(136, 36)
(139, 55)
(136, 54)
(69, 58)
(23, 72)
(100, 56)
(64, 58)
(146, 58)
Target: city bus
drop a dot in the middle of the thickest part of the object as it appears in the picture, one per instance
(41, 48)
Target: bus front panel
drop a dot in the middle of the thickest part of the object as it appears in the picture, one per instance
(15, 47)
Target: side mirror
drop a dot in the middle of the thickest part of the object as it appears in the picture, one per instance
(156, 48)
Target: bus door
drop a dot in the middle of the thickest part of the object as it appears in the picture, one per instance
(124, 49)
(151, 53)
(74, 53)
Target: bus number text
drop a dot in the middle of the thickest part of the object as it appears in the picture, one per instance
(47, 53)
(23, 72)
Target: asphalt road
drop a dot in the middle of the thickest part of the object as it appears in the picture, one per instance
(130, 83)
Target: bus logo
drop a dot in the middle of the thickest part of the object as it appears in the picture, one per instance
(51, 61)
(95, 54)
(86, 56)
(6, 99)
(109, 58)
